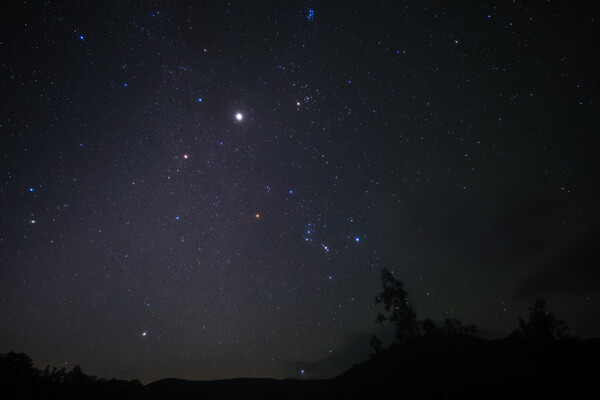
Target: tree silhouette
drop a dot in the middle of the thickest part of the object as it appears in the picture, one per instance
(377, 346)
(452, 326)
(76, 377)
(455, 326)
(17, 365)
(399, 311)
(19, 379)
(542, 324)
(18, 376)
(397, 306)
(429, 327)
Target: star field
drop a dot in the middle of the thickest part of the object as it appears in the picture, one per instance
(210, 190)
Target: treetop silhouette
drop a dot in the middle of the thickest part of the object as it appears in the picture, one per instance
(399, 310)
(542, 324)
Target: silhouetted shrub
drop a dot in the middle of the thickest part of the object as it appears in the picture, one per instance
(377, 346)
(542, 324)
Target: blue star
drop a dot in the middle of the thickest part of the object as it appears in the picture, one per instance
(177, 218)
(199, 99)
(81, 37)
(31, 189)
(125, 84)
(310, 15)
(357, 239)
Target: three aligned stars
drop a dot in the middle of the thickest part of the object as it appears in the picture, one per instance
(258, 216)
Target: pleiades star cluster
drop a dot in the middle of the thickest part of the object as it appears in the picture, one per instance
(210, 190)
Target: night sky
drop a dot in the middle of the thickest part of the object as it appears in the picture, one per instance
(209, 190)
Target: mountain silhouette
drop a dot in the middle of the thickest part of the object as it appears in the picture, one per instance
(445, 366)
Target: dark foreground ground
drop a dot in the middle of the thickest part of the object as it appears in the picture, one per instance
(442, 367)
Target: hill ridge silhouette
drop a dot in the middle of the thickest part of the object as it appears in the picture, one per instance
(426, 367)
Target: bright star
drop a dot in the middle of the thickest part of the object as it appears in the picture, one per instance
(239, 116)
(357, 239)
(144, 333)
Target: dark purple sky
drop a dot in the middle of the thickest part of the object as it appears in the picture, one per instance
(148, 232)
